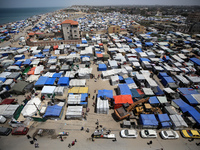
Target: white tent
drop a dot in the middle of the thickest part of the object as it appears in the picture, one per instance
(48, 90)
(33, 78)
(114, 80)
(84, 72)
(30, 109)
(77, 82)
(74, 99)
(38, 69)
(102, 106)
(74, 112)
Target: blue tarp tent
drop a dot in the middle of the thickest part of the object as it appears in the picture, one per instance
(41, 81)
(57, 75)
(164, 120)
(153, 100)
(45, 50)
(148, 120)
(84, 42)
(63, 81)
(159, 91)
(129, 81)
(2, 79)
(162, 74)
(53, 111)
(102, 67)
(53, 57)
(124, 89)
(39, 56)
(145, 59)
(19, 57)
(84, 96)
(121, 78)
(50, 81)
(18, 63)
(148, 44)
(166, 80)
(183, 106)
(138, 50)
(85, 56)
(106, 93)
(27, 62)
(135, 93)
(186, 91)
(195, 115)
(195, 60)
(190, 99)
(129, 40)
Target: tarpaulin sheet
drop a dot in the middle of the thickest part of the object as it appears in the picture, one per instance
(27, 62)
(195, 60)
(122, 99)
(53, 111)
(2, 79)
(102, 67)
(41, 81)
(164, 120)
(135, 93)
(63, 81)
(18, 63)
(185, 91)
(195, 115)
(57, 75)
(191, 99)
(129, 81)
(50, 81)
(162, 74)
(106, 93)
(166, 80)
(145, 59)
(124, 89)
(148, 120)
(183, 106)
(153, 100)
(78, 90)
(159, 91)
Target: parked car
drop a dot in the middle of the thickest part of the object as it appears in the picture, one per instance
(20, 131)
(148, 133)
(5, 131)
(169, 134)
(194, 134)
(129, 133)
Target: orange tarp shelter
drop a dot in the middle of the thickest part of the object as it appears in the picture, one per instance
(31, 71)
(122, 99)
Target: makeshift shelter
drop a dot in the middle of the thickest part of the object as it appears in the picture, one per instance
(59, 90)
(54, 112)
(164, 120)
(77, 82)
(8, 111)
(178, 122)
(50, 81)
(102, 106)
(154, 101)
(78, 90)
(74, 112)
(63, 81)
(48, 91)
(105, 93)
(114, 80)
(30, 108)
(123, 89)
(119, 100)
(7, 101)
(148, 121)
(21, 87)
(41, 81)
(102, 67)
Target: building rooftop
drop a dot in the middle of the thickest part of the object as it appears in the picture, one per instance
(72, 22)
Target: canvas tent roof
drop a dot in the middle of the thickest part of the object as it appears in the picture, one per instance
(106, 93)
(53, 111)
(19, 87)
(77, 82)
(78, 90)
(121, 99)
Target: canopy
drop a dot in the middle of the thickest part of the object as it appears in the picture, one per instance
(106, 93)
(153, 100)
(124, 89)
(122, 99)
(53, 111)
(63, 81)
(164, 120)
(50, 81)
(148, 120)
(41, 81)
(102, 67)
(78, 90)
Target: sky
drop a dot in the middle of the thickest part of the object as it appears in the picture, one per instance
(66, 3)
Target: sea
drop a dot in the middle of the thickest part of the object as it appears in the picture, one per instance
(8, 15)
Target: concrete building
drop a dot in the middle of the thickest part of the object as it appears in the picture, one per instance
(70, 30)
(114, 29)
(137, 29)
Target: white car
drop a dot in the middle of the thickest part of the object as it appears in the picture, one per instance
(129, 133)
(169, 134)
(148, 133)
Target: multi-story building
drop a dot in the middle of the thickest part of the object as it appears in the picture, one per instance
(114, 29)
(137, 29)
(70, 30)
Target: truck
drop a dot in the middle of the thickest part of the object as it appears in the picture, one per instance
(122, 112)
